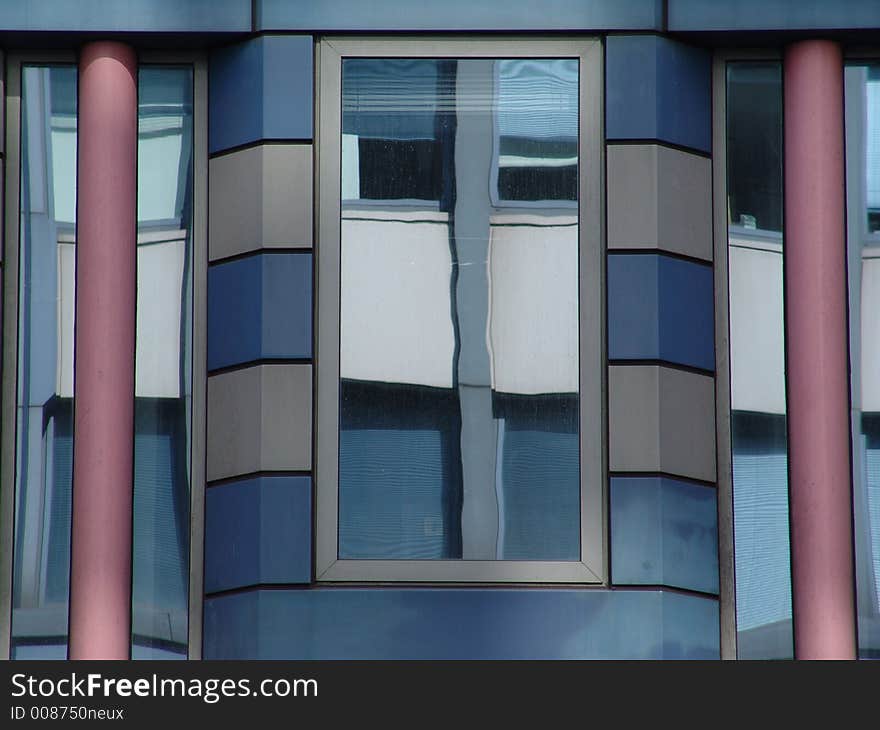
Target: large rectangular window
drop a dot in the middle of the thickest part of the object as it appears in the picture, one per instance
(459, 346)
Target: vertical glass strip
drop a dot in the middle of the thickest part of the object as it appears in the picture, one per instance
(862, 103)
(44, 402)
(163, 367)
(757, 360)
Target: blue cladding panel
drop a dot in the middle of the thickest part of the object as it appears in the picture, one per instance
(287, 305)
(664, 532)
(260, 307)
(232, 16)
(258, 531)
(660, 308)
(460, 623)
(288, 72)
(687, 313)
(633, 313)
(234, 311)
(657, 88)
(260, 89)
(381, 15)
(235, 90)
(772, 14)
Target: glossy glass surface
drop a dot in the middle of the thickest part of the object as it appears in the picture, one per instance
(459, 415)
(757, 360)
(44, 446)
(863, 264)
(163, 366)
(460, 623)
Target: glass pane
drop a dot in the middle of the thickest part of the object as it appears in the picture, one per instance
(754, 146)
(459, 415)
(863, 263)
(757, 360)
(163, 367)
(44, 447)
(474, 623)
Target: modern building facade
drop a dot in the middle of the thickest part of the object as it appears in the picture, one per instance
(340, 330)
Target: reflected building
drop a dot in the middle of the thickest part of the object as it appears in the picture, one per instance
(459, 339)
(481, 331)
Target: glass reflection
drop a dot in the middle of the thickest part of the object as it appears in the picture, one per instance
(44, 447)
(757, 360)
(459, 308)
(163, 365)
(862, 85)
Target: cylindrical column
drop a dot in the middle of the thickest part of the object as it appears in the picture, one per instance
(100, 570)
(816, 338)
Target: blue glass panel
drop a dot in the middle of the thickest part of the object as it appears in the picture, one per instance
(45, 359)
(539, 499)
(664, 532)
(763, 564)
(459, 372)
(465, 623)
(163, 362)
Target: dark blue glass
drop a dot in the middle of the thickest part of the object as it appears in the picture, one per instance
(459, 406)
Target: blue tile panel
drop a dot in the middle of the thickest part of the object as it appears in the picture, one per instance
(230, 16)
(260, 308)
(460, 623)
(772, 14)
(658, 88)
(258, 531)
(260, 89)
(660, 308)
(467, 15)
(664, 532)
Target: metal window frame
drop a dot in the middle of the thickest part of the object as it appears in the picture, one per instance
(10, 273)
(592, 567)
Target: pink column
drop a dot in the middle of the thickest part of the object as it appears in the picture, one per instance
(100, 571)
(816, 337)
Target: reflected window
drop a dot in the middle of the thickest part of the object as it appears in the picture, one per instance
(44, 407)
(759, 447)
(862, 102)
(458, 431)
(163, 363)
(458, 417)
